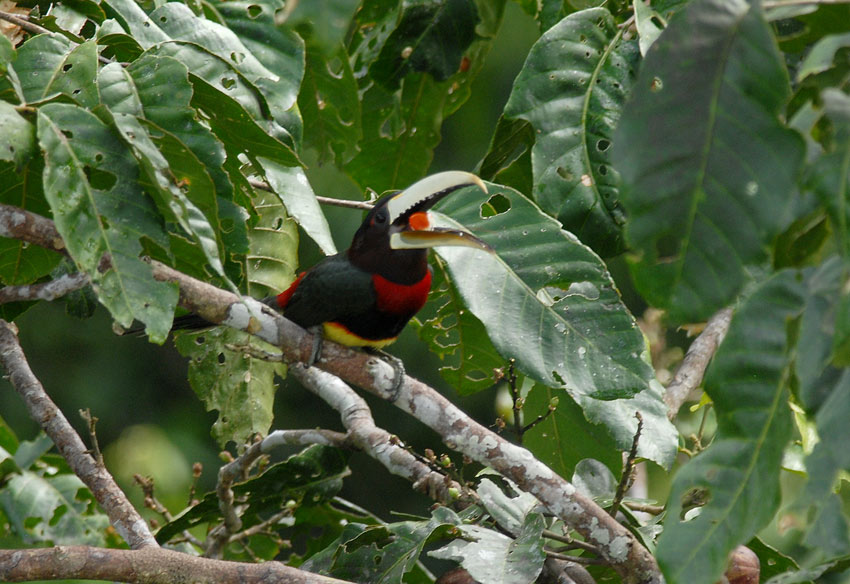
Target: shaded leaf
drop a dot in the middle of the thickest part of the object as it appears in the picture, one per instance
(738, 475)
(490, 556)
(17, 141)
(270, 264)
(430, 37)
(571, 90)
(52, 509)
(708, 169)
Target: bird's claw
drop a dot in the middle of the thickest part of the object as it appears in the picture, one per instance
(398, 371)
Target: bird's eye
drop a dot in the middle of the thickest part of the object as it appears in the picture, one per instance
(381, 217)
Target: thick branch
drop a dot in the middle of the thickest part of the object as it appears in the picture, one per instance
(122, 514)
(16, 223)
(144, 566)
(690, 373)
(375, 441)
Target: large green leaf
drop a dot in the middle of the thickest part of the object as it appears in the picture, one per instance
(708, 169)
(90, 180)
(571, 90)
(17, 142)
(239, 386)
(270, 264)
(457, 337)
(291, 185)
(738, 474)
(549, 302)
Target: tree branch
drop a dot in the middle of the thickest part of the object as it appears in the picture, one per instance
(45, 291)
(122, 514)
(145, 566)
(690, 373)
(16, 223)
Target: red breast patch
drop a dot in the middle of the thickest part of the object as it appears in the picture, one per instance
(401, 299)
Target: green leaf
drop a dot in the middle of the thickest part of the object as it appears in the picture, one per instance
(571, 90)
(175, 204)
(381, 553)
(52, 510)
(49, 65)
(595, 480)
(509, 512)
(829, 175)
(21, 263)
(309, 478)
(323, 23)
(822, 55)
(707, 167)
(279, 51)
(431, 37)
(457, 337)
(239, 386)
(293, 188)
(101, 212)
(330, 105)
(490, 556)
(273, 256)
(738, 473)
(510, 145)
(17, 142)
(549, 302)
(649, 25)
(566, 437)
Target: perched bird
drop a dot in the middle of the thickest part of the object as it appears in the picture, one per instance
(364, 296)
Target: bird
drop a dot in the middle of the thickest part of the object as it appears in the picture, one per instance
(364, 296)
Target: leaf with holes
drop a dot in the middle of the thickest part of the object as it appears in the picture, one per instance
(748, 381)
(239, 386)
(101, 212)
(330, 105)
(291, 185)
(457, 337)
(708, 168)
(549, 302)
(270, 264)
(49, 65)
(571, 90)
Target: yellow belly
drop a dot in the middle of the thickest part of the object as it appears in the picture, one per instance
(339, 334)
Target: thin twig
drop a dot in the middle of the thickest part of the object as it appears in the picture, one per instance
(91, 422)
(692, 369)
(364, 205)
(24, 23)
(122, 514)
(628, 477)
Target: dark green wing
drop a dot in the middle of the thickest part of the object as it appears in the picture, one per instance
(330, 290)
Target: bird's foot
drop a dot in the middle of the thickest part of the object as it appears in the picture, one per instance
(398, 370)
(318, 341)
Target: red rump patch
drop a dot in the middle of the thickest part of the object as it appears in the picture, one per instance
(401, 299)
(284, 297)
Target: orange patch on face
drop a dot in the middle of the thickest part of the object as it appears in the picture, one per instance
(419, 221)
